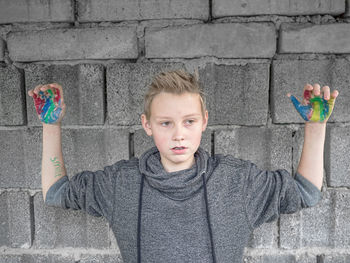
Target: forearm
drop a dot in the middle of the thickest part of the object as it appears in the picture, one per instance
(52, 158)
(311, 161)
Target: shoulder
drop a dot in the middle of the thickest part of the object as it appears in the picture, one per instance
(231, 161)
(230, 167)
(133, 161)
(230, 171)
(122, 165)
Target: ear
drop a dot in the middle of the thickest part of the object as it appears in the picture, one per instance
(146, 125)
(205, 121)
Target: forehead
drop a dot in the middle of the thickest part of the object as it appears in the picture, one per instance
(174, 105)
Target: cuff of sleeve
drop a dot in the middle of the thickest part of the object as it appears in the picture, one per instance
(55, 192)
(310, 194)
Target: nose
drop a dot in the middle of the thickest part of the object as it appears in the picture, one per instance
(178, 133)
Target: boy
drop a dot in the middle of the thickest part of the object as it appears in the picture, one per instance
(176, 203)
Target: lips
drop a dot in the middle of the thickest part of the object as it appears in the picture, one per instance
(179, 150)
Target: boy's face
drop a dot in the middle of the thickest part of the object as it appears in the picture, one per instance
(176, 124)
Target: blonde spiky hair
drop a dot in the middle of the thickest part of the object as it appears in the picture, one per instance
(175, 82)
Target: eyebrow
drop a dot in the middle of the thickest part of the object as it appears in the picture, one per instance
(186, 116)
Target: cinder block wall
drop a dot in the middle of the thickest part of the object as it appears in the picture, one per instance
(104, 53)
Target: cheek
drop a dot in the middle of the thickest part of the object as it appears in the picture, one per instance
(198, 138)
(198, 135)
(160, 139)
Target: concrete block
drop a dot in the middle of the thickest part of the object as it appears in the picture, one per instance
(338, 159)
(112, 258)
(107, 10)
(310, 227)
(236, 94)
(2, 49)
(32, 148)
(12, 111)
(13, 170)
(287, 258)
(142, 142)
(230, 40)
(292, 75)
(36, 258)
(15, 218)
(317, 224)
(298, 142)
(303, 38)
(127, 84)
(291, 230)
(265, 236)
(13, 11)
(267, 7)
(57, 228)
(269, 149)
(83, 149)
(341, 218)
(336, 258)
(82, 43)
(347, 13)
(83, 92)
(93, 149)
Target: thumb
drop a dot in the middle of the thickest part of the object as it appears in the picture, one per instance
(304, 111)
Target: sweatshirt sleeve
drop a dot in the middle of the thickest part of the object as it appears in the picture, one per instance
(271, 193)
(89, 191)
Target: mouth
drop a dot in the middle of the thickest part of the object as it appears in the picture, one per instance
(179, 148)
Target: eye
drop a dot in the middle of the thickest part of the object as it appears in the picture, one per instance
(164, 124)
(189, 122)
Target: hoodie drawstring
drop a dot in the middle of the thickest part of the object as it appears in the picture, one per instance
(208, 218)
(139, 220)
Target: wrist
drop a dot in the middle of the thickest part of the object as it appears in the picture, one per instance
(316, 125)
(315, 130)
(48, 125)
(51, 128)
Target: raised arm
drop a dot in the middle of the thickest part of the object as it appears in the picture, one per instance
(50, 107)
(311, 160)
(52, 166)
(316, 109)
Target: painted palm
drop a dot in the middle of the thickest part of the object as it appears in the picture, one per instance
(48, 105)
(314, 108)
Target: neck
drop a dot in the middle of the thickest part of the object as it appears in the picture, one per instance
(174, 168)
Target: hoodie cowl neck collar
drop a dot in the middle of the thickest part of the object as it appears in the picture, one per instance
(179, 185)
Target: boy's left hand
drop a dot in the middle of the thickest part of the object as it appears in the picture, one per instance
(315, 107)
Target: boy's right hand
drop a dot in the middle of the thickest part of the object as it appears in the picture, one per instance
(48, 102)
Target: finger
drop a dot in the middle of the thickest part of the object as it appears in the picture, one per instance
(326, 92)
(49, 90)
(30, 93)
(295, 100)
(58, 92)
(44, 88)
(304, 111)
(55, 85)
(308, 87)
(317, 89)
(37, 89)
(307, 94)
(334, 94)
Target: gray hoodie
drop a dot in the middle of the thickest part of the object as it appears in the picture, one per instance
(202, 214)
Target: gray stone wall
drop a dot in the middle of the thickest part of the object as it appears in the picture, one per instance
(104, 54)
